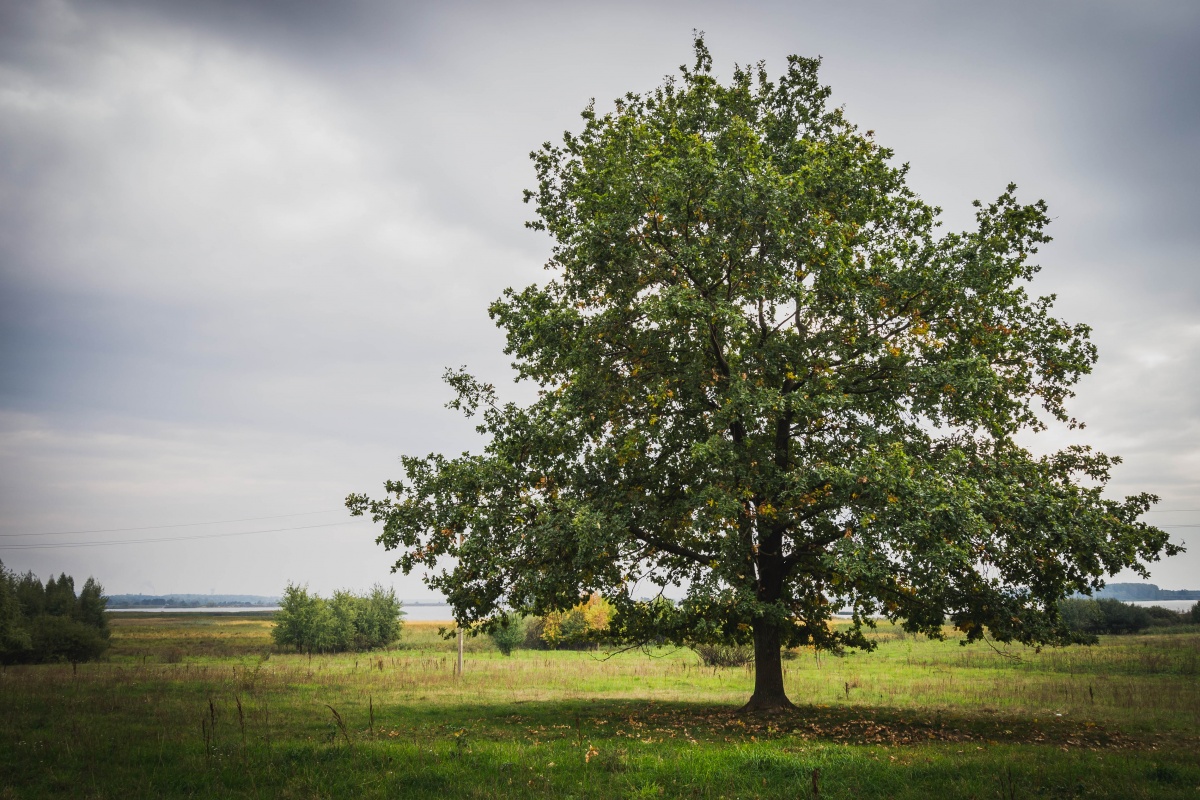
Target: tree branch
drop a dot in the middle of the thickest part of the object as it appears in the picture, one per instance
(674, 549)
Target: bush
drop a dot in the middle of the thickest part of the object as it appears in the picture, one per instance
(724, 655)
(1122, 618)
(60, 638)
(1081, 616)
(509, 634)
(346, 622)
(581, 627)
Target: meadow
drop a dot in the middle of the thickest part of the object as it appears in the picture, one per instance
(193, 705)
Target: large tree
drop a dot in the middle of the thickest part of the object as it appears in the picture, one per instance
(767, 381)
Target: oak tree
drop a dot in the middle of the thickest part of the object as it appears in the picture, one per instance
(768, 384)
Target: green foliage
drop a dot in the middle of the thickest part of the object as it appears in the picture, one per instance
(41, 624)
(765, 376)
(31, 594)
(509, 634)
(60, 638)
(583, 626)
(724, 655)
(15, 641)
(1165, 617)
(1105, 616)
(345, 622)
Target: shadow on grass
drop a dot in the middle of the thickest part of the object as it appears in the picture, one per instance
(841, 724)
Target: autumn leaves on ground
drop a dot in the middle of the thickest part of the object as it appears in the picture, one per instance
(200, 706)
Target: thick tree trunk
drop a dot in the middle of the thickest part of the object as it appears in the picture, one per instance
(768, 672)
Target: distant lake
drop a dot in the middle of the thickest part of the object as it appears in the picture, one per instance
(198, 609)
(433, 612)
(1174, 605)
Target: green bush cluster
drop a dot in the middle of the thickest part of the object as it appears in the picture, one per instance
(42, 623)
(346, 622)
(581, 627)
(1107, 616)
(1165, 618)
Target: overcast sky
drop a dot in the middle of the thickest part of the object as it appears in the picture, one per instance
(240, 241)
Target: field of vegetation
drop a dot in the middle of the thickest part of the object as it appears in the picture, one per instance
(190, 705)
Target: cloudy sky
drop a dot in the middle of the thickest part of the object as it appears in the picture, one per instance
(240, 241)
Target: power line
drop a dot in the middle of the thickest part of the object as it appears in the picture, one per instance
(63, 545)
(181, 525)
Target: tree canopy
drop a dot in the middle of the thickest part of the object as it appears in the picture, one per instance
(766, 379)
(41, 623)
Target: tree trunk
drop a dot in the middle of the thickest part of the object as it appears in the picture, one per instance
(768, 672)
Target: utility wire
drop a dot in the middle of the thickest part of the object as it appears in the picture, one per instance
(62, 545)
(181, 525)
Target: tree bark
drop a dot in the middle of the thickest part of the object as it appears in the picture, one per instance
(769, 695)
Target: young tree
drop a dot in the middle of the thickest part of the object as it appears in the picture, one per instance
(766, 380)
(92, 606)
(60, 595)
(31, 594)
(382, 619)
(509, 634)
(300, 619)
(15, 643)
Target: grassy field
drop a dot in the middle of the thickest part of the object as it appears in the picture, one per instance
(194, 705)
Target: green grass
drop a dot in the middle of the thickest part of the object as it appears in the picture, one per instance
(915, 718)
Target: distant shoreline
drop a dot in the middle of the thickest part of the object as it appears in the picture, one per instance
(413, 612)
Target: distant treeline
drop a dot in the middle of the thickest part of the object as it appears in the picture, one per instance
(49, 622)
(1145, 591)
(1091, 618)
(189, 600)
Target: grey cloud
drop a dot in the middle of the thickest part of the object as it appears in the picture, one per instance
(244, 239)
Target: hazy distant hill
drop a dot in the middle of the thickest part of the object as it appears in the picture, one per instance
(188, 600)
(1145, 591)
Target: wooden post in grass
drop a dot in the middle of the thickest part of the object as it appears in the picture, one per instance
(460, 652)
(459, 669)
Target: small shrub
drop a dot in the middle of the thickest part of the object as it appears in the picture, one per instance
(509, 635)
(59, 638)
(581, 627)
(724, 655)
